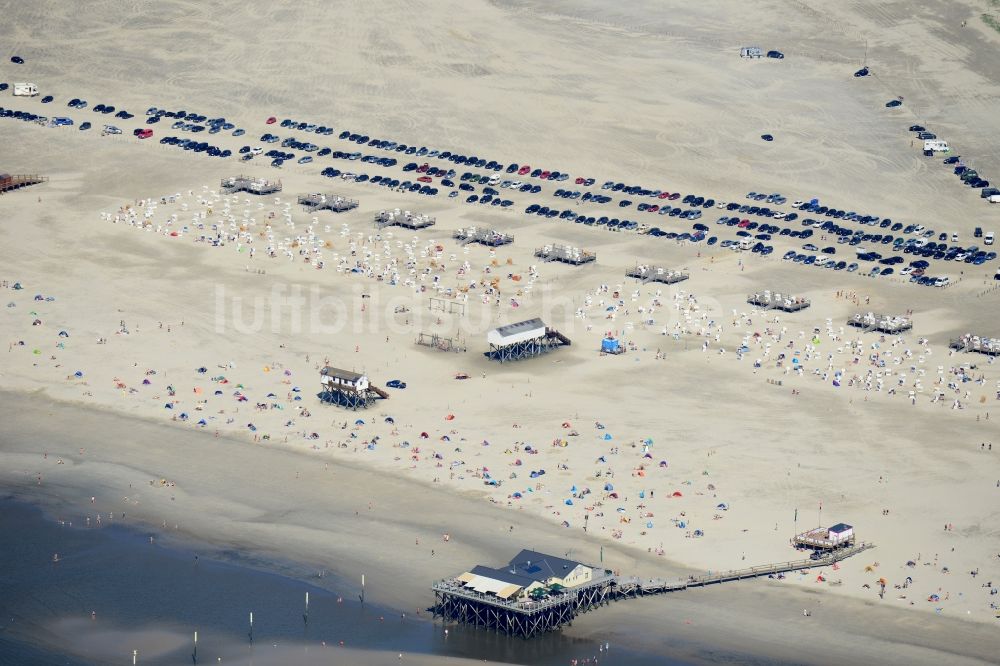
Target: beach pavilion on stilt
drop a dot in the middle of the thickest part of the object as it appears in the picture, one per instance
(348, 389)
(524, 339)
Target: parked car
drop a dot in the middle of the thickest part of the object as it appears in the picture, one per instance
(777, 55)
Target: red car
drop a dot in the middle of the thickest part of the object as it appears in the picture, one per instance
(664, 195)
(271, 120)
(523, 170)
(423, 168)
(580, 181)
(743, 224)
(653, 208)
(144, 133)
(425, 179)
(675, 196)
(545, 175)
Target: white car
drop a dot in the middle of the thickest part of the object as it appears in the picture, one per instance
(256, 151)
(988, 238)
(906, 270)
(941, 281)
(721, 204)
(917, 229)
(954, 238)
(821, 261)
(798, 204)
(515, 184)
(778, 215)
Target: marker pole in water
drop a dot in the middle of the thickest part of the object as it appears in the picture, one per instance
(362, 588)
(305, 616)
(194, 655)
(135, 655)
(251, 627)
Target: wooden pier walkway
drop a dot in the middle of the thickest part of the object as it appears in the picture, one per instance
(632, 586)
(527, 618)
(9, 183)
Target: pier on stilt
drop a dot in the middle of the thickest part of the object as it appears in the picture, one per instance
(536, 593)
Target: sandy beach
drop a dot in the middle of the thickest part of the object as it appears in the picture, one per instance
(165, 339)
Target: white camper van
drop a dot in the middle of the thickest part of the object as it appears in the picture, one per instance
(25, 90)
(936, 145)
(751, 52)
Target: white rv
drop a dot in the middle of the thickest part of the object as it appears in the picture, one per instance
(936, 145)
(751, 52)
(995, 198)
(25, 90)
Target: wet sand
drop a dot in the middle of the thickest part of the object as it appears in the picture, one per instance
(308, 524)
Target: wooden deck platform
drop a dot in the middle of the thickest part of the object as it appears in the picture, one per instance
(334, 202)
(404, 219)
(882, 323)
(774, 300)
(646, 273)
(483, 236)
(250, 185)
(976, 343)
(566, 254)
(9, 183)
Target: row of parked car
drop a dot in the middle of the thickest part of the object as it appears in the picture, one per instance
(763, 227)
(383, 181)
(968, 175)
(196, 146)
(583, 196)
(604, 221)
(23, 115)
(844, 234)
(305, 127)
(191, 121)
